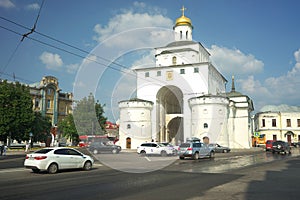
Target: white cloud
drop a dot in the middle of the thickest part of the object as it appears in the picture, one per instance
(52, 61)
(33, 6)
(7, 4)
(72, 68)
(233, 61)
(274, 90)
(131, 20)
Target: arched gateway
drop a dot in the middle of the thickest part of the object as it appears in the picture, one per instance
(169, 114)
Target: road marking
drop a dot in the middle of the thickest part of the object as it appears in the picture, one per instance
(147, 158)
(12, 170)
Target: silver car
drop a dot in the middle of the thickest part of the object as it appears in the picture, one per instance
(195, 150)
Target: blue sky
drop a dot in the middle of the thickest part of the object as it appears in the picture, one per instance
(257, 41)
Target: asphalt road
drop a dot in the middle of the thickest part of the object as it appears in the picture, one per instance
(275, 178)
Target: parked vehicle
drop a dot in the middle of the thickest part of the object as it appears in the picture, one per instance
(154, 148)
(269, 145)
(281, 147)
(53, 159)
(174, 148)
(218, 148)
(101, 147)
(195, 150)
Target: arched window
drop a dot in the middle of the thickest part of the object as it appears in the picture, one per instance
(205, 125)
(181, 35)
(186, 34)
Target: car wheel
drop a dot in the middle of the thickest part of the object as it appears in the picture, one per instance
(35, 170)
(95, 151)
(211, 154)
(115, 151)
(181, 157)
(196, 156)
(87, 165)
(143, 153)
(163, 153)
(224, 151)
(53, 168)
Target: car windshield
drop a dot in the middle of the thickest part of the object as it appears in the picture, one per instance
(185, 145)
(43, 151)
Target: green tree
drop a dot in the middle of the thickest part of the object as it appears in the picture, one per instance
(89, 116)
(68, 129)
(15, 111)
(40, 127)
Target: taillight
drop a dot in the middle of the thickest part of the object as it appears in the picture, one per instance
(178, 148)
(40, 157)
(26, 157)
(190, 149)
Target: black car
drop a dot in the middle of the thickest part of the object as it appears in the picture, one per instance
(281, 147)
(101, 147)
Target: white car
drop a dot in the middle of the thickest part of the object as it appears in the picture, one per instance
(53, 159)
(155, 148)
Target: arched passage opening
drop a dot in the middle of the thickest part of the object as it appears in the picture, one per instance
(169, 113)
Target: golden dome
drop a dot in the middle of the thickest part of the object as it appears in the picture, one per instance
(183, 20)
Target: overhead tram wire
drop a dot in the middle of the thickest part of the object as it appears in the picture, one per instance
(74, 47)
(24, 35)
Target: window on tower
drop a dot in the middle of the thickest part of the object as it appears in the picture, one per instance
(158, 73)
(205, 125)
(196, 70)
(147, 74)
(181, 35)
(182, 71)
(186, 34)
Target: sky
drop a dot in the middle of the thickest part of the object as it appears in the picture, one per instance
(91, 46)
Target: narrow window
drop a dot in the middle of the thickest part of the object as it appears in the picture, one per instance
(186, 34)
(174, 60)
(288, 122)
(298, 122)
(205, 125)
(37, 102)
(263, 123)
(181, 35)
(182, 71)
(128, 126)
(48, 103)
(273, 122)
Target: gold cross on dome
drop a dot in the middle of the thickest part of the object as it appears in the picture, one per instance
(183, 9)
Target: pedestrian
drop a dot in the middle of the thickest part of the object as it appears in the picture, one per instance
(1, 149)
(26, 147)
(4, 150)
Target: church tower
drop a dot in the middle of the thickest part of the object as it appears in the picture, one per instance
(183, 27)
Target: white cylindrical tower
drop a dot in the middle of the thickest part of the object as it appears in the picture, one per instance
(135, 123)
(209, 118)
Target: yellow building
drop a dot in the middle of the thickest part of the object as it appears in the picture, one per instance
(49, 100)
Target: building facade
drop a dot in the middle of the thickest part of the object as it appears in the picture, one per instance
(184, 95)
(278, 125)
(48, 99)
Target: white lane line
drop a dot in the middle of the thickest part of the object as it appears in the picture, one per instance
(147, 158)
(12, 170)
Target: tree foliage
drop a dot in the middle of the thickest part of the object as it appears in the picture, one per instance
(15, 110)
(89, 116)
(68, 129)
(41, 127)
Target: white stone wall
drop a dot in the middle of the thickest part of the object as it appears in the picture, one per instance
(135, 123)
(213, 111)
